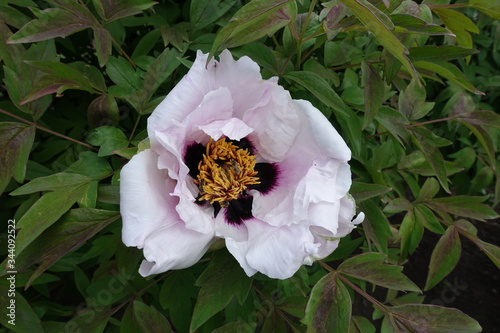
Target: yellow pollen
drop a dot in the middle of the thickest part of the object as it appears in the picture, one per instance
(225, 172)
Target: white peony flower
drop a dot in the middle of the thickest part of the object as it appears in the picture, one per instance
(234, 157)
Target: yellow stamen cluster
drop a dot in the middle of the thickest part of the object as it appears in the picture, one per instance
(225, 172)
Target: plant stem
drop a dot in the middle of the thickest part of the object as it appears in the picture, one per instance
(47, 130)
(117, 45)
(135, 127)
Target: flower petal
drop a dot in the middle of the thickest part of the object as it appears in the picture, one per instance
(173, 247)
(323, 134)
(277, 252)
(185, 96)
(276, 125)
(233, 128)
(314, 169)
(145, 200)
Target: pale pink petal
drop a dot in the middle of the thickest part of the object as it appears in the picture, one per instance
(322, 133)
(346, 214)
(185, 96)
(174, 135)
(276, 125)
(239, 250)
(234, 129)
(243, 78)
(325, 215)
(313, 170)
(278, 252)
(173, 247)
(145, 200)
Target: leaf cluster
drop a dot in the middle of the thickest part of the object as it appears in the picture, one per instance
(412, 86)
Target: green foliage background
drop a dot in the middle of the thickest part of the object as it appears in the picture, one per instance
(403, 82)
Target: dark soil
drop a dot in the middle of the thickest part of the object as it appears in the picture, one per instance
(474, 285)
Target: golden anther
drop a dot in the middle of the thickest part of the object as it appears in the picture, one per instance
(225, 172)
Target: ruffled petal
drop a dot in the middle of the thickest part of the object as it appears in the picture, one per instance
(145, 200)
(277, 252)
(173, 247)
(314, 169)
(346, 214)
(185, 96)
(276, 125)
(233, 128)
(243, 78)
(322, 133)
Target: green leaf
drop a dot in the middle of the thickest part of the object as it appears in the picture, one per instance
(410, 233)
(428, 190)
(428, 144)
(24, 318)
(480, 118)
(72, 230)
(57, 182)
(459, 24)
(412, 102)
(206, 12)
(321, 89)
(91, 320)
(394, 121)
(373, 92)
(371, 267)
(121, 72)
(329, 306)
(50, 207)
(149, 319)
(109, 194)
(175, 35)
(51, 23)
(16, 140)
(103, 111)
(253, 21)
(175, 296)
(492, 251)
(362, 325)
(376, 225)
(223, 279)
(444, 257)
(380, 25)
(364, 191)
(109, 139)
(432, 319)
(117, 9)
(411, 23)
(448, 71)
(128, 323)
(484, 137)
(161, 69)
(236, 326)
(59, 78)
(90, 165)
(434, 53)
(464, 206)
(426, 217)
(103, 44)
(489, 7)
